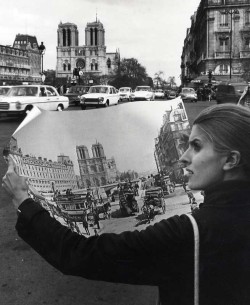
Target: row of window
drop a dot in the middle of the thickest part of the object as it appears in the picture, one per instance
(80, 52)
(225, 18)
(11, 51)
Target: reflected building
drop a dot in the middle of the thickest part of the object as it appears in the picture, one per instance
(96, 170)
(43, 174)
(172, 141)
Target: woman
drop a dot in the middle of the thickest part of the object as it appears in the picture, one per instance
(218, 162)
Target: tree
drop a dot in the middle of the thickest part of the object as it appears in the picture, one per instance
(158, 79)
(130, 73)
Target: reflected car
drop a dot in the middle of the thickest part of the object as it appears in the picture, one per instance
(159, 93)
(188, 94)
(21, 99)
(125, 93)
(100, 96)
(4, 90)
(143, 93)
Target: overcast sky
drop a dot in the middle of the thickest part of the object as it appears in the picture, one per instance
(150, 31)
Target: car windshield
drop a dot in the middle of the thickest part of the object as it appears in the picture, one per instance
(124, 89)
(99, 89)
(240, 88)
(3, 91)
(187, 90)
(142, 89)
(23, 91)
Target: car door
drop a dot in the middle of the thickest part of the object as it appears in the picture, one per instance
(112, 96)
(53, 98)
(43, 99)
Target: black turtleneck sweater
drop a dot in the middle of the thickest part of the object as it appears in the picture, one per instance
(161, 255)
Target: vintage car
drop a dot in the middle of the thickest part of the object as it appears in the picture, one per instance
(143, 93)
(125, 93)
(159, 93)
(188, 94)
(21, 99)
(171, 94)
(75, 92)
(100, 96)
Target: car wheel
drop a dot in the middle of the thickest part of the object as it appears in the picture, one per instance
(59, 108)
(28, 108)
(106, 104)
(83, 107)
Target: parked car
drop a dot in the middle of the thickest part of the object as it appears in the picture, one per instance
(125, 93)
(188, 94)
(4, 90)
(229, 92)
(21, 99)
(74, 93)
(100, 96)
(171, 94)
(159, 93)
(143, 93)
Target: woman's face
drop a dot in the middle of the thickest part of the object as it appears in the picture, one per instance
(204, 166)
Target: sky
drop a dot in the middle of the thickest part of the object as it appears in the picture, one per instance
(127, 132)
(153, 32)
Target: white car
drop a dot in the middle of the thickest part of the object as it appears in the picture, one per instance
(159, 93)
(125, 93)
(143, 93)
(100, 96)
(4, 90)
(21, 99)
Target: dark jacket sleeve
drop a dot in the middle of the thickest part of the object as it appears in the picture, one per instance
(144, 257)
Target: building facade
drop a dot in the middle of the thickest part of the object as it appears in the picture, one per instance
(172, 141)
(96, 170)
(90, 59)
(20, 63)
(217, 41)
(43, 174)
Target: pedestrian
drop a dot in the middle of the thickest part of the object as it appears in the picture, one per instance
(194, 205)
(218, 162)
(190, 196)
(96, 219)
(85, 223)
(184, 185)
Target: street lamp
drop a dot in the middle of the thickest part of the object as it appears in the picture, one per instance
(231, 12)
(42, 49)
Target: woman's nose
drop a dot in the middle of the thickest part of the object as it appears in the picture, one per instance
(184, 159)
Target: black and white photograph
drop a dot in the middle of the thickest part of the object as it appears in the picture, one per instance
(124, 152)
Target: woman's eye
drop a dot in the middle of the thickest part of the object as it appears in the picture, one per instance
(196, 146)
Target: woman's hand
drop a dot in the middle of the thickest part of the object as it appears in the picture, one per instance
(15, 185)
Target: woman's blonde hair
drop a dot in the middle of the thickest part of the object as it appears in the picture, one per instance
(227, 126)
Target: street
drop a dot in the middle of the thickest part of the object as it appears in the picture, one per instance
(26, 279)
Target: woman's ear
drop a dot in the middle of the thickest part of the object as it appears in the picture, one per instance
(233, 160)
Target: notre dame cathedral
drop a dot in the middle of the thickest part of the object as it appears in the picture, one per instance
(91, 58)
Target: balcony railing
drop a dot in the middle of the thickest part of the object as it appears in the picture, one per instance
(245, 54)
(222, 54)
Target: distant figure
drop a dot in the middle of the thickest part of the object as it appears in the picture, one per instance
(85, 223)
(194, 205)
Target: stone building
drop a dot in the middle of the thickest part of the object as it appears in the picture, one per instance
(217, 41)
(96, 170)
(90, 59)
(43, 174)
(20, 63)
(172, 141)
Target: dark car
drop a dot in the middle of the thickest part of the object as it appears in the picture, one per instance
(75, 92)
(229, 92)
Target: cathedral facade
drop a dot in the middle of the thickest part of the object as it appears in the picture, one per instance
(89, 59)
(96, 170)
